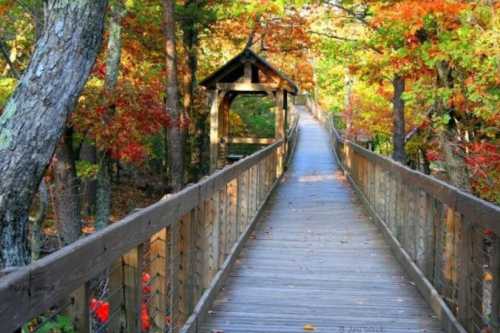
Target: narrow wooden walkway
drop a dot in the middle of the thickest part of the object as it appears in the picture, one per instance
(316, 262)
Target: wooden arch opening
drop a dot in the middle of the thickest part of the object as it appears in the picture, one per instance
(247, 73)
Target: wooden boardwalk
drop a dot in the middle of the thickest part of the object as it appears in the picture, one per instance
(316, 262)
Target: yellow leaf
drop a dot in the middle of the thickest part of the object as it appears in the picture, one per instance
(488, 276)
(309, 328)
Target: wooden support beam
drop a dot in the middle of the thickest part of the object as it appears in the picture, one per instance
(280, 130)
(254, 141)
(248, 87)
(214, 129)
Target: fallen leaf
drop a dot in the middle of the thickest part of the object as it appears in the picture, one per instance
(488, 277)
(309, 328)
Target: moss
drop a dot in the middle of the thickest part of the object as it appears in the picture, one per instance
(7, 86)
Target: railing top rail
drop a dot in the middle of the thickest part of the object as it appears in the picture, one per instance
(477, 210)
(30, 290)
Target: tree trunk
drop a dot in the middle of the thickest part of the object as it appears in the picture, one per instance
(103, 207)
(89, 186)
(348, 107)
(114, 52)
(67, 191)
(175, 142)
(35, 116)
(398, 117)
(37, 222)
(449, 137)
(191, 42)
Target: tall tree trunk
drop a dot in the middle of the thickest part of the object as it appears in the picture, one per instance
(449, 137)
(114, 52)
(191, 43)
(398, 117)
(67, 191)
(348, 107)
(175, 142)
(35, 116)
(88, 154)
(36, 223)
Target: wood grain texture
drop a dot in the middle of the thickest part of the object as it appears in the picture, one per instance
(316, 258)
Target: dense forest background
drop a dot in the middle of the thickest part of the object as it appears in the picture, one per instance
(415, 80)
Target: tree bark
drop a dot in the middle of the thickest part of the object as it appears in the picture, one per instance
(175, 142)
(36, 223)
(197, 121)
(114, 52)
(449, 137)
(103, 193)
(35, 116)
(67, 191)
(89, 186)
(398, 116)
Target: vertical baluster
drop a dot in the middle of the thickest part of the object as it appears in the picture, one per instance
(449, 255)
(186, 276)
(199, 249)
(78, 310)
(223, 224)
(118, 321)
(428, 235)
(233, 212)
(132, 281)
(214, 234)
(174, 257)
(242, 202)
(495, 297)
(158, 303)
(464, 235)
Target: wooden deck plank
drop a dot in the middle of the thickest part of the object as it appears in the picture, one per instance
(316, 258)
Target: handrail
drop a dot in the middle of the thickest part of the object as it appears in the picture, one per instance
(192, 231)
(447, 240)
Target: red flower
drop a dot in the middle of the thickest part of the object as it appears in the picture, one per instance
(100, 309)
(145, 319)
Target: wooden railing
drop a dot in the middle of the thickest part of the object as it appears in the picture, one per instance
(154, 271)
(447, 240)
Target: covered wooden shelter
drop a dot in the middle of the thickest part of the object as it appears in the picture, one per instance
(247, 73)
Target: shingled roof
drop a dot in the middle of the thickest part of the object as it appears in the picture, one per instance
(234, 70)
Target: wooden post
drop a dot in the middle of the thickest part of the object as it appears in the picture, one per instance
(132, 280)
(449, 253)
(159, 272)
(214, 129)
(78, 310)
(495, 297)
(173, 276)
(117, 303)
(464, 234)
(185, 276)
(232, 190)
(223, 224)
(280, 129)
(214, 240)
(242, 203)
(200, 249)
(223, 135)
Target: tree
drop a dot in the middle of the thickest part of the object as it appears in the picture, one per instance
(175, 142)
(35, 116)
(114, 51)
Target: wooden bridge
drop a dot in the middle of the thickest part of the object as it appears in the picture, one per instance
(344, 241)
